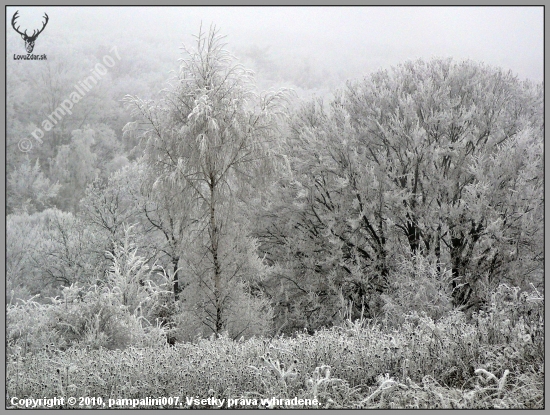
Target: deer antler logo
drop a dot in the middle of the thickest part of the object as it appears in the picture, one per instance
(29, 40)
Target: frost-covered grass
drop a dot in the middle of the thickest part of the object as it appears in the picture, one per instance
(494, 360)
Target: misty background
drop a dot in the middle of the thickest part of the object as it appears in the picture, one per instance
(312, 49)
(379, 228)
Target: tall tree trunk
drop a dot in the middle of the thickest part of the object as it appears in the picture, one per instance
(413, 235)
(214, 237)
(413, 231)
(462, 248)
(437, 248)
(458, 244)
(177, 288)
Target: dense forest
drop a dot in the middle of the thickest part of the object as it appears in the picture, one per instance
(383, 238)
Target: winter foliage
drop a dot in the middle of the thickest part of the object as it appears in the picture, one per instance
(382, 248)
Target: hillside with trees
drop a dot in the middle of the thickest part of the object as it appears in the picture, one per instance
(378, 246)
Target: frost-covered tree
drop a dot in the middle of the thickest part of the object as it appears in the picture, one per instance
(326, 224)
(438, 158)
(47, 250)
(75, 166)
(436, 133)
(28, 190)
(66, 253)
(23, 239)
(207, 139)
(111, 204)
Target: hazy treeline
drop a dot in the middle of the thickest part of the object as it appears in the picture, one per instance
(203, 206)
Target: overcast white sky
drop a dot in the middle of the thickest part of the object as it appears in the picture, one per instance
(358, 39)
